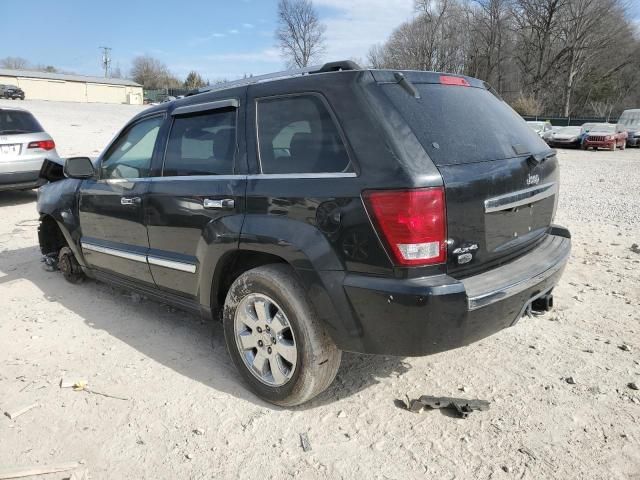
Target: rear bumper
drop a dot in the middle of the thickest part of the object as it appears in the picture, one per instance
(20, 180)
(428, 315)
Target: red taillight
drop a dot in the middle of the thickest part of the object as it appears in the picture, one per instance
(450, 80)
(411, 222)
(43, 144)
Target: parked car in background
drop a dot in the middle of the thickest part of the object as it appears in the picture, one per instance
(540, 127)
(630, 122)
(565, 137)
(295, 209)
(12, 92)
(24, 145)
(604, 135)
(547, 135)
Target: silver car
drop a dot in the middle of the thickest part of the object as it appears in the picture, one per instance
(23, 147)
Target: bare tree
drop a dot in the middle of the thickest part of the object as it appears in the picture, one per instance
(152, 73)
(194, 80)
(300, 33)
(14, 63)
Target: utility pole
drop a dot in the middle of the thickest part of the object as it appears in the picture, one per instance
(106, 60)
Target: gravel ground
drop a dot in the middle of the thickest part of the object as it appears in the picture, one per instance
(183, 413)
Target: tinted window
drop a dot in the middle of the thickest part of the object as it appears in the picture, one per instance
(298, 135)
(16, 121)
(459, 125)
(130, 156)
(202, 144)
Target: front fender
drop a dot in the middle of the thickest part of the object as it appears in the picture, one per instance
(58, 200)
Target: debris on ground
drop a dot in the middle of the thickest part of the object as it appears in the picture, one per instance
(80, 385)
(462, 406)
(570, 380)
(624, 347)
(633, 386)
(304, 442)
(198, 431)
(12, 472)
(73, 382)
(14, 413)
(635, 248)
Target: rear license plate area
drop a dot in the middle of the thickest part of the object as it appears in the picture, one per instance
(9, 150)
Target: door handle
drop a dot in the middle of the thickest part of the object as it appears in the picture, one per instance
(225, 203)
(130, 201)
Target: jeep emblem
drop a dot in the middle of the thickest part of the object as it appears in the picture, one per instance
(533, 179)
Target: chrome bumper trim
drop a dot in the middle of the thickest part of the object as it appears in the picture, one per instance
(551, 257)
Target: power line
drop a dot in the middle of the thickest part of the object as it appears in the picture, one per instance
(106, 59)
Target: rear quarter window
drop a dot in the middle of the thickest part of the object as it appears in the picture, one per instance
(458, 125)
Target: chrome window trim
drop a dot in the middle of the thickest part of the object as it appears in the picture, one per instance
(521, 197)
(205, 107)
(304, 175)
(180, 266)
(136, 257)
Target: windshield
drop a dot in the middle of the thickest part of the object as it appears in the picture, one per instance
(536, 126)
(17, 121)
(568, 131)
(604, 128)
(458, 125)
(630, 118)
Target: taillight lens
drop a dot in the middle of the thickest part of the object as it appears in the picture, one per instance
(43, 144)
(411, 222)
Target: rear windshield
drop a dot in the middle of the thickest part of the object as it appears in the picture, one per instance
(15, 121)
(459, 125)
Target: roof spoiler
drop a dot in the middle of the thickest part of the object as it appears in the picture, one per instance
(342, 65)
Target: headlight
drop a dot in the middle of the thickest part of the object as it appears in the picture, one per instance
(609, 137)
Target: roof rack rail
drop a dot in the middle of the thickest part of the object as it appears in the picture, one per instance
(327, 67)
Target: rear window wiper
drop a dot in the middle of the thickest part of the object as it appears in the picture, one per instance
(409, 87)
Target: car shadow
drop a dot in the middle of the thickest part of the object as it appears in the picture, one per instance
(175, 339)
(11, 198)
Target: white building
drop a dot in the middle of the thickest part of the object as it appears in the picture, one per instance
(72, 88)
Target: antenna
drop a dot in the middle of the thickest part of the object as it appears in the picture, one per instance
(106, 59)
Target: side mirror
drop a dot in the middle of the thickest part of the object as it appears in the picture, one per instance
(78, 167)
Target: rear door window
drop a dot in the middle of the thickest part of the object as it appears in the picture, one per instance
(297, 134)
(458, 125)
(17, 121)
(202, 144)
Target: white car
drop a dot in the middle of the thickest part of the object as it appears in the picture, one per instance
(24, 145)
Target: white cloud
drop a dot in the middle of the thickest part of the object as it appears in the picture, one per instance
(234, 31)
(248, 25)
(356, 25)
(200, 40)
(269, 55)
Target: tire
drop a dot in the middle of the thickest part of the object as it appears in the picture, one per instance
(69, 266)
(317, 359)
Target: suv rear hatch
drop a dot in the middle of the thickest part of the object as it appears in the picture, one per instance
(500, 178)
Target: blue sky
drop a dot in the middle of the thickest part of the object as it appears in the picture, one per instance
(219, 39)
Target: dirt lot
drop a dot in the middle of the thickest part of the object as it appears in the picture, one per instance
(185, 414)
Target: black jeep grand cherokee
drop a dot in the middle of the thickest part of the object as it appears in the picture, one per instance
(320, 211)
